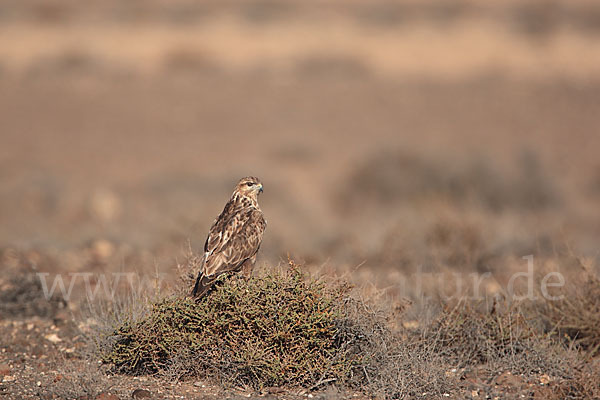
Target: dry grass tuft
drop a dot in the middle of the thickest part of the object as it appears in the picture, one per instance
(501, 340)
(576, 314)
(584, 385)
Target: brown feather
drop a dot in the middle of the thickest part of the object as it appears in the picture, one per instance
(233, 240)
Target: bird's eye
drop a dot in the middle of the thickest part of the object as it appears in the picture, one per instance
(249, 184)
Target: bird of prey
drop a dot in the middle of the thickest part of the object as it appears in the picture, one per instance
(234, 238)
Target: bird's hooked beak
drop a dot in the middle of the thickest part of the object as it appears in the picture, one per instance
(260, 189)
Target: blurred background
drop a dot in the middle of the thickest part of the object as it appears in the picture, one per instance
(391, 136)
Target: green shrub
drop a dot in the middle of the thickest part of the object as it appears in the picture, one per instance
(274, 330)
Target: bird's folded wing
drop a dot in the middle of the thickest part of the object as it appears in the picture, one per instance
(233, 239)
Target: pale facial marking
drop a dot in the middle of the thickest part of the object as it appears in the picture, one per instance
(249, 186)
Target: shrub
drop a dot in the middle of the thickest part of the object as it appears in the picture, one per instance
(390, 178)
(279, 329)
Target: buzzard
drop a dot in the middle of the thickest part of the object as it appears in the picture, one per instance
(234, 238)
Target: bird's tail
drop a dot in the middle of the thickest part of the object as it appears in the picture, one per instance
(203, 285)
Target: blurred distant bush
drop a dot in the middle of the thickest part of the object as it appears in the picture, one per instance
(390, 178)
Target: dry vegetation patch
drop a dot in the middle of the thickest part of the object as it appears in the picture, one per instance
(575, 314)
(504, 340)
(270, 331)
(280, 329)
(22, 295)
(397, 177)
(286, 329)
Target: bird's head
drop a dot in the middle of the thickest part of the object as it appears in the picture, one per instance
(249, 186)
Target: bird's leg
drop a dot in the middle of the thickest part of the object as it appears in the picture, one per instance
(247, 269)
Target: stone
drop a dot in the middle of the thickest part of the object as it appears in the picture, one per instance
(4, 369)
(141, 394)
